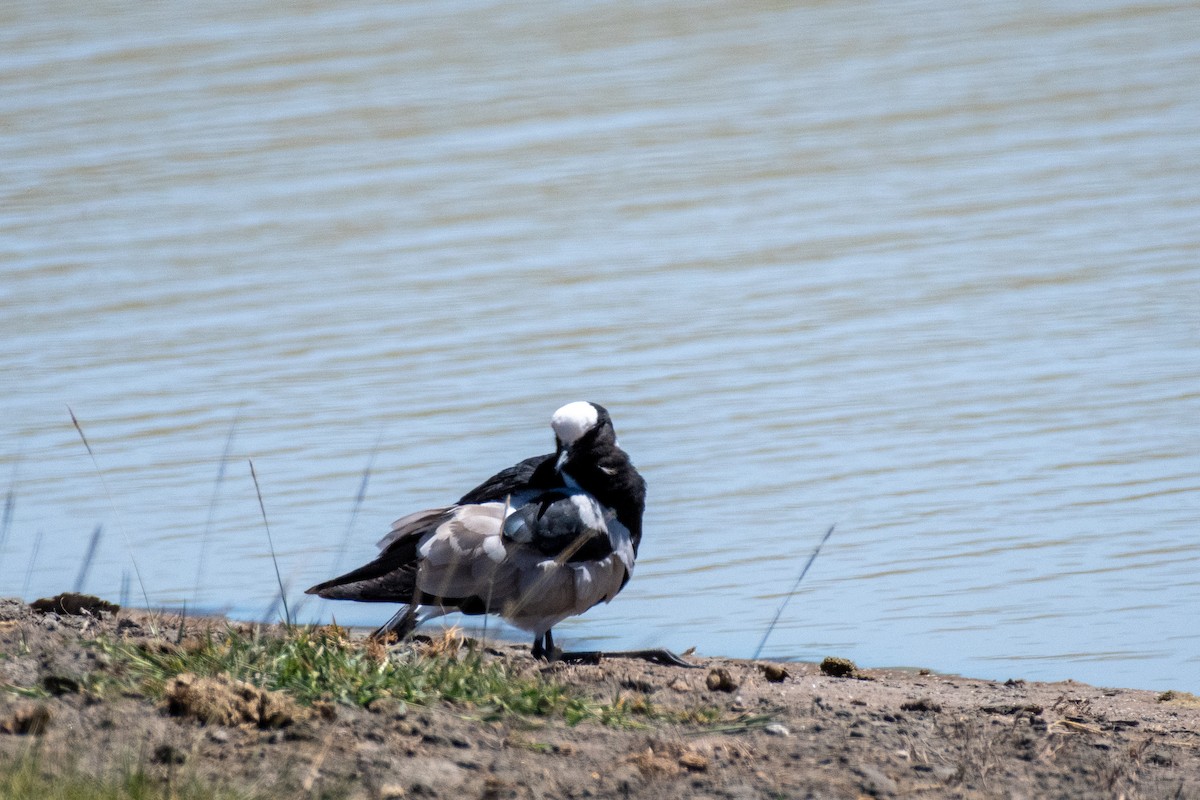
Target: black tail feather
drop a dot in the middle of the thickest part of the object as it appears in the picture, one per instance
(390, 578)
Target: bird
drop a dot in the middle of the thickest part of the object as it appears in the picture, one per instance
(543, 540)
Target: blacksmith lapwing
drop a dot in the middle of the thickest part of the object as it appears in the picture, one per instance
(543, 540)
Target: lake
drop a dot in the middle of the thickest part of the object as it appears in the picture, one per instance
(927, 271)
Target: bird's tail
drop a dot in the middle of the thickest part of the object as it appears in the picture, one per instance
(390, 578)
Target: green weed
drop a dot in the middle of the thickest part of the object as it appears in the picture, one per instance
(25, 778)
(323, 665)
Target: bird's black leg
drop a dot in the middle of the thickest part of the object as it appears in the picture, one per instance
(543, 647)
(398, 627)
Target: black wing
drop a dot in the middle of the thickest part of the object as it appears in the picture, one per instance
(533, 475)
(562, 524)
(391, 576)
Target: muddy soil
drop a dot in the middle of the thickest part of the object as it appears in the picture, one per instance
(786, 730)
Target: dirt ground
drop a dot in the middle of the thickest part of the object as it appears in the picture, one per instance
(806, 734)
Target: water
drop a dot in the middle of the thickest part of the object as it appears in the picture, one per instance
(927, 272)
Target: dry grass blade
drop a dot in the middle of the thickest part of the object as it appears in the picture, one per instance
(212, 503)
(358, 501)
(37, 545)
(448, 643)
(270, 543)
(359, 498)
(532, 592)
(10, 505)
(104, 482)
(492, 578)
(1071, 725)
(86, 565)
(790, 594)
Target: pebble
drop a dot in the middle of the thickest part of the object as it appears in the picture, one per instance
(168, 754)
(388, 707)
(774, 673)
(775, 729)
(719, 679)
(874, 781)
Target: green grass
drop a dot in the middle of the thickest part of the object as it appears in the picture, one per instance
(24, 779)
(322, 665)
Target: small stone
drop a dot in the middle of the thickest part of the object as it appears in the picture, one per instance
(639, 685)
(168, 754)
(774, 673)
(719, 679)
(775, 729)
(218, 735)
(388, 707)
(29, 718)
(434, 776)
(874, 781)
(693, 761)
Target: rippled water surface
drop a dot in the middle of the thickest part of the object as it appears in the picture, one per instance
(929, 271)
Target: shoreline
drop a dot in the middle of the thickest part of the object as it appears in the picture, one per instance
(733, 728)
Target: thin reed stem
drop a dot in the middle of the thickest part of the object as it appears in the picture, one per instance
(212, 503)
(86, 565)
(795, 586)
(10, 504)
(358, 501)
(120, 526)
(37, 545)
(487, 604)
(287, 616)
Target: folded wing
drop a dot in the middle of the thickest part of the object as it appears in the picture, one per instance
(546, 560)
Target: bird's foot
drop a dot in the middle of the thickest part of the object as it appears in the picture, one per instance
(655, 656)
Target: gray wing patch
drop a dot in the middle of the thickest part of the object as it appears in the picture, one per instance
(561, 525)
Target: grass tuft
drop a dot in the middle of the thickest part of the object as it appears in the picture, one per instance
(322, 664)
(32, 777)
